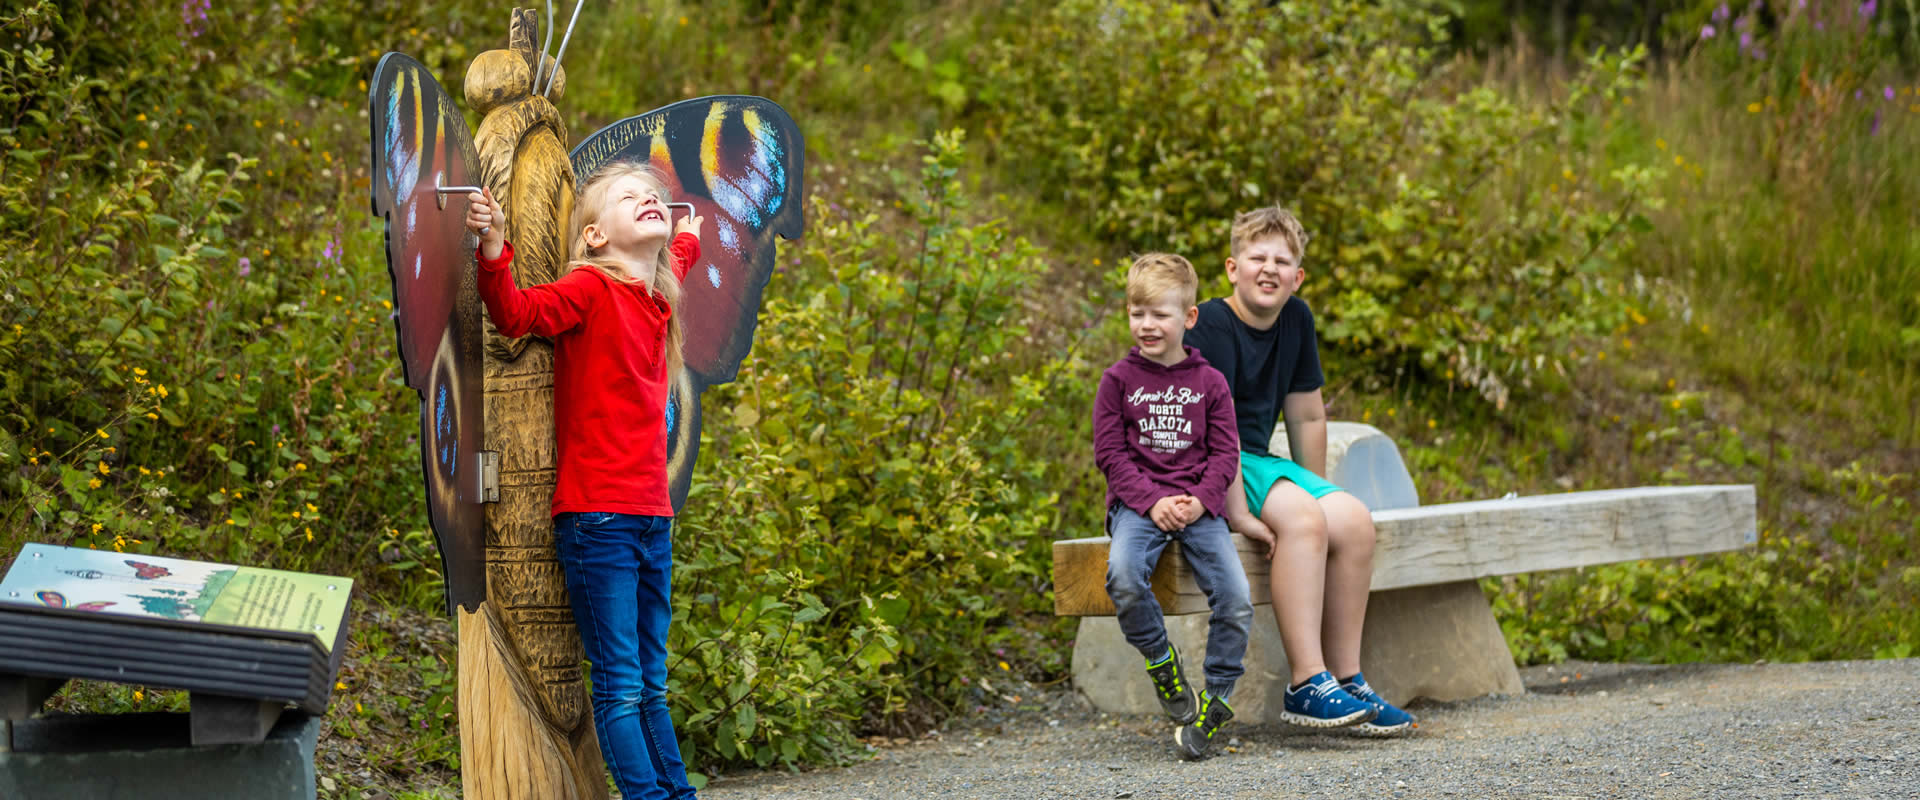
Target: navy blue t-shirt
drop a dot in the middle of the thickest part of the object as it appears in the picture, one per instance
(1262, 367)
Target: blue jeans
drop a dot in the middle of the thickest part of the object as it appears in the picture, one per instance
(619, 570)
(1208, 546)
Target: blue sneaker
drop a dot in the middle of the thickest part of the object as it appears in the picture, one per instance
(1389, 721)
(1321, 703)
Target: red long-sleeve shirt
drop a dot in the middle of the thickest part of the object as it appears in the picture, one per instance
(610, 379)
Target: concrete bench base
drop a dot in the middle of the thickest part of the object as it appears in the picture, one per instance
(1438, 642)
(151, 757)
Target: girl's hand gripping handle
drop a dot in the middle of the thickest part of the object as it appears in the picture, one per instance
(487, 221)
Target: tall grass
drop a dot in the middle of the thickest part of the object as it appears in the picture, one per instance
(1793, 222)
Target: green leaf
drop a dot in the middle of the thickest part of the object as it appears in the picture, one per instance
(744, 720)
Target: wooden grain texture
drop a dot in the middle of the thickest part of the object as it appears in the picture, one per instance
(525, 722)
(510, 747)
(1438, 544)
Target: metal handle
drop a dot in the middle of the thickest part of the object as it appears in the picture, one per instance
(441, 193)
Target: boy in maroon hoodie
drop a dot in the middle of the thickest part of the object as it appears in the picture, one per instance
(1164, 434)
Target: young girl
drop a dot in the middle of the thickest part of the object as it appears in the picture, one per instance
(616, 332)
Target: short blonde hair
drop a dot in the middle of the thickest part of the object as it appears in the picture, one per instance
(1154, 274)
(1270, 221)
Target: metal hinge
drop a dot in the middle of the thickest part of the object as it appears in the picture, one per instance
(489, 476)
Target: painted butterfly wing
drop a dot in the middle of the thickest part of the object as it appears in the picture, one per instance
(146, 571)
(421, 142)
(738, 160)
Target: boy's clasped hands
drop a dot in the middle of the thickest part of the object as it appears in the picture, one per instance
(1173, 512)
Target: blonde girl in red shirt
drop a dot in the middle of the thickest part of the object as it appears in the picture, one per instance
(613, 318)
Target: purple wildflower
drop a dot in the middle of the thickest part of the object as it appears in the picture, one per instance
(1720, 14)
(329, 251)
(1868, 8)
(193, 16)
(276, 429)
(1819, 25)
(246, 266)
(1875, 130)
(1707, 32)
(1887, 93)
(1746, 40)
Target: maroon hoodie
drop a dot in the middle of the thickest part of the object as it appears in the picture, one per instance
(1161, 431)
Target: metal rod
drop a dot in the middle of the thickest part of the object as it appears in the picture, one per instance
(563, 47)
(447, 190)
(541, 62)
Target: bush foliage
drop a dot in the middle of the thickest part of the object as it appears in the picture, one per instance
(196, 353)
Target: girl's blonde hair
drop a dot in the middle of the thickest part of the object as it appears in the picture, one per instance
(587, 210)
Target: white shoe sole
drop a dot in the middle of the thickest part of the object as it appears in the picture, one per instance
(1370, 729)
(1180, 745)
(1303, 720)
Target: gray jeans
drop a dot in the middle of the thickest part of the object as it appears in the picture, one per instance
(1208, 546)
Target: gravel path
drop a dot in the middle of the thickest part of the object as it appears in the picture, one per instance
(1838, 729)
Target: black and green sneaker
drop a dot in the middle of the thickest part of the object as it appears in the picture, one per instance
(1170, 685)
(1196, 739)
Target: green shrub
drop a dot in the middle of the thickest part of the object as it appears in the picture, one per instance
(1454, 230)
(190, 363)
(867, 508)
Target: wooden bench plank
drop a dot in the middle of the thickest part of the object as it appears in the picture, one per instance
(1451, 542)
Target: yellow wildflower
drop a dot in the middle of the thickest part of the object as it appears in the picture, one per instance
(96, 527)
(104, 469)
(142, 144)
(93, 484)
(145, 471)
(139, 696)
(313, 509)
(162, 388)
(1753, 108)
(1003, 665)
(139, 371)
(1660, 143)
(151, 415)
(102, 432)
(309, 534)
(140, 118)
(300, 466)
(229, 520)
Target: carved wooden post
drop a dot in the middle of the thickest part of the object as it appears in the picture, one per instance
(526, 729)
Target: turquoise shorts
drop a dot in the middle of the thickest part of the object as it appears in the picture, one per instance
(1258, 474)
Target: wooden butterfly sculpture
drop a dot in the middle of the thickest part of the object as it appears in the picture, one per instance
(736, 159)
